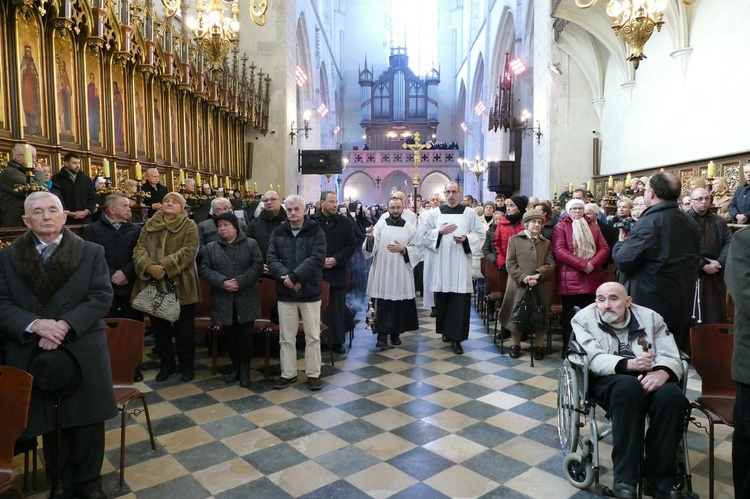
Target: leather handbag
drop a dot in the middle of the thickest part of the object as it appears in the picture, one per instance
(157, 303)
(528, 313)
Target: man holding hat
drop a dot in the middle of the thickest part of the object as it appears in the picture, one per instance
(54, 293)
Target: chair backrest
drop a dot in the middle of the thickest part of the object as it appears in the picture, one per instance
(267, 288)
(203, 307)
(125, 343)
(15, 395)
(498, 280)
(711, 347)
(324, 297)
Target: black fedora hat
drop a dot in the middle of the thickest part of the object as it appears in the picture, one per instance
(57, 373)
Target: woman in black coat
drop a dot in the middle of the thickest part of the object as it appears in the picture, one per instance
(232, 266)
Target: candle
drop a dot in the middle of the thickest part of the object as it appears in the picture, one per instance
(555, 191)
(711, 169)
(570, 187)
(137, 171)
(588, 186)
(627, 180)
(105, 168)
(182, 176)
(611, 182)
(278, 188)
(247, 185)
(27, 159)
(198, 178)
(216, 182)
(270, 187)
(255, 186)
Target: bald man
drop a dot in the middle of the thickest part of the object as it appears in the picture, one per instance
(272, 216)
(635, 369)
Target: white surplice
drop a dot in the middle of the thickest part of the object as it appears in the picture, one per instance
(390, 277)
(452, 267)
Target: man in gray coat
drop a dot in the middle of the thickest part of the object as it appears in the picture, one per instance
(54, 293)
(13, 175)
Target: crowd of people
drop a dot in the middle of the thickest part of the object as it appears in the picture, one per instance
(670, 263)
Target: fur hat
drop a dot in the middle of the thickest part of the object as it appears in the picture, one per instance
(177, 196)
(532, 215)
(231, 218)
(57, 373)
(521, 202)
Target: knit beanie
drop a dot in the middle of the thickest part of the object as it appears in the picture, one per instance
(230, 217)
(521, 202)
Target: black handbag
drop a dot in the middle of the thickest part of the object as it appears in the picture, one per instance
(528, 312)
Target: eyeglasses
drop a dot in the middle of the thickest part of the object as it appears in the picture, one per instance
(707, 198)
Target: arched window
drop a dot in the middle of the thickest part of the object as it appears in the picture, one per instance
(381, 101)
(417, 99)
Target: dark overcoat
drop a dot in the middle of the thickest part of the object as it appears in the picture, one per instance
(526, 258)
(340, 244)
(118, 247)
(240, 260)
(76, 289)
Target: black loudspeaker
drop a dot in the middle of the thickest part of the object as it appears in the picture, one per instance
(320, 162)
(502, 177)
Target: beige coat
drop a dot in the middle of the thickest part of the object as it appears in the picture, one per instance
(173, 245)
(722, 201)
(526, 258)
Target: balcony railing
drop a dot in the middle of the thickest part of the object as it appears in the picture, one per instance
(428, 157)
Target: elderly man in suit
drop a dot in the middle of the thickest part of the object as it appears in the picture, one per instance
(54, 292)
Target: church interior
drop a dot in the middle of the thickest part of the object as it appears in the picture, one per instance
(531, 96)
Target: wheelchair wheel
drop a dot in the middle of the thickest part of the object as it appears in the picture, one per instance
(579, 475)
(568, 404)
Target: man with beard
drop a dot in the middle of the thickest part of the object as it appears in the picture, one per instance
(340, 247)
(75, 189)
(453, 233)
(710, 305)
(635, 369)
(394, 246)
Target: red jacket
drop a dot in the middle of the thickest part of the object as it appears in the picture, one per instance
(504, 232)
(571, 279)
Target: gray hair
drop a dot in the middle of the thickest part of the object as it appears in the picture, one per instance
(189, 181)
(34, 196)
(110, 200)
(152, 170)
(19, 148)
(219, 201)
(293, 200)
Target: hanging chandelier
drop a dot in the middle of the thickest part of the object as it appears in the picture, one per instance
(215, 33)
(477, 166)
(636, 20)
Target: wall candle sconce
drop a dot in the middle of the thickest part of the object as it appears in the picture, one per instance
(525, 130)
(305, 127)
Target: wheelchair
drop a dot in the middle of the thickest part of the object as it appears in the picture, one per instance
(577, 411)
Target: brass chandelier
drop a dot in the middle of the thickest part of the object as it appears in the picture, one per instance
(477, 166)
(636, 20)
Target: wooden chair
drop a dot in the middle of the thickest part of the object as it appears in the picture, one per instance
(498, 282)
(29, 449)
(15, 395)
(711, 347)
(125, 343)
(555, 314)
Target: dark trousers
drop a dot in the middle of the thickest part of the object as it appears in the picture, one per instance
(184, 335)
(453, 311)
(568, 305)
(741, 441)
(81, 456)
(628, 406)
(240, 341)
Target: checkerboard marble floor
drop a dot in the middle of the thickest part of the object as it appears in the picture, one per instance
(413, 421)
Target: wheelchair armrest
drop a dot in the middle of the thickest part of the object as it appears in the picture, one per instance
(576, 348)
(684, 357)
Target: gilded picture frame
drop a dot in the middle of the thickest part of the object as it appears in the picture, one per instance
(67, 115)
(95, 100)
(32, 86)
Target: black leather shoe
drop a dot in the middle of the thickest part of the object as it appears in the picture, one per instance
(395, 341)
(165, 373)
(284, 382)
(650, 489)
(538, 353)
(381, 344)
(432, 312)
(314, 384)
(514, 352)
(99, 494)
(188, 374)
(244, 375)
(456, 347)
(339, 349)
(624, 490)
(233, 376)
(138, 377)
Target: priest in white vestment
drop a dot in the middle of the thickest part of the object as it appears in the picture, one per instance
(395, 247)
(454, 233)
(428, 258)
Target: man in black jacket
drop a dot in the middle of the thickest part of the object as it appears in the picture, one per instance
(340, 247)
(155, 189)
(296, 256)
(11, 201)
(272, 216)
(75, 189)
(659, 259)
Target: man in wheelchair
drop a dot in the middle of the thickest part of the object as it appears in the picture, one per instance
(635, 371)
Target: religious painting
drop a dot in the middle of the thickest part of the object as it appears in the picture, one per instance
(31, 78)
(211, 147)
(158, 123)
(174, 127)
(119, 105)
(94, 98)
(140, 116)
(200, 127)
(187, 107)
(4, 125)
(65, 84)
